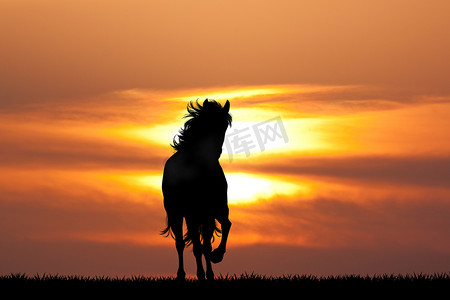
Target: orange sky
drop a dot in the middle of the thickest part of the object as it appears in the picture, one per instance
(92, 92)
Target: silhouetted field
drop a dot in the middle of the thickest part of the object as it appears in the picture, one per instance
(228, 286)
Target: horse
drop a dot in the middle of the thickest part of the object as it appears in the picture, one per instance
(194, 186)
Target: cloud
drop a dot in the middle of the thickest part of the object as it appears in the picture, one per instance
(432, 171)
(62, 206)
(131, 106)
(35, 146)
(303, 101)
(336, 222)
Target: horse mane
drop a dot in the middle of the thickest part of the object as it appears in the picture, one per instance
(203, 119)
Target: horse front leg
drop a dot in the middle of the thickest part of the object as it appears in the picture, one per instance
(218, 253)
(207, 233)
(197, 249)
(177, 229)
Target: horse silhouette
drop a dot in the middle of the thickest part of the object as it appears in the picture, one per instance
(195, 188)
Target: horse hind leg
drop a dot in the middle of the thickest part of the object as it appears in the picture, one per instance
(194, 234)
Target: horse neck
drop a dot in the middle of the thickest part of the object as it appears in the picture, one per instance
(202, 157)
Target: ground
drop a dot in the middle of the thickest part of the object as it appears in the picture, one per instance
(244, 285)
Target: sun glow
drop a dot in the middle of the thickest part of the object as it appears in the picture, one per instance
(304, 135)
(243, 116)
(244, 92)
(245, 188)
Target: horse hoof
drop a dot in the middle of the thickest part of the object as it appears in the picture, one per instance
(181, 276)
(210, 276)
(201, 276)
(216, 256)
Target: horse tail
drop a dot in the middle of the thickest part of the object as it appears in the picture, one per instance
(187, 238)
(217, 231)
(168, 230)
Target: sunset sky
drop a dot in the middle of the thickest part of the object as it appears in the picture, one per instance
(92, 93)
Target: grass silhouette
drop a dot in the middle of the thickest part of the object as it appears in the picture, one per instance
(244, 285)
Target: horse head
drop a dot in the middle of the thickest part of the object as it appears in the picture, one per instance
(203, 133)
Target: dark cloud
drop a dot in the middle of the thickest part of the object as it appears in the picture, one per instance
(299, 101)
(65, 209)
(432, 171)
(125, 106)
(74, 152)
(366, 221)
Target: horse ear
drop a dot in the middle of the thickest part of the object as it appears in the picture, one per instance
(226, 107)
(205, 103)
